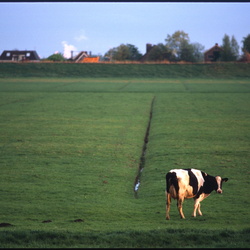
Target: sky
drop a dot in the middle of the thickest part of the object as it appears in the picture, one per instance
(62, 27)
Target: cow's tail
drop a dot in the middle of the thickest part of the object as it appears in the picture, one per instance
(171, 180)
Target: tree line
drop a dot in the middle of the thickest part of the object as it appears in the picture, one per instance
(177, 47)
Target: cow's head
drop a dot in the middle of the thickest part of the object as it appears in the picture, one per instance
(219, 181)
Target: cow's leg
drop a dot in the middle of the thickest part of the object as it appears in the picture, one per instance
(168, 203)
(197, 204)
(179, 205)
(199, 209)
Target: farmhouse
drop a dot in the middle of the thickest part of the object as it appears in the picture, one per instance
(19, 55)
(83, 57)
(149, 47)
(213, 54)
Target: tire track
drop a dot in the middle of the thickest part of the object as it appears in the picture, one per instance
(144, 149)
(124, 86)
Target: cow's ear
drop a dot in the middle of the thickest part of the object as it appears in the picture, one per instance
(225, 179)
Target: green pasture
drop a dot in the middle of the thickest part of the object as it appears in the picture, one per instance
(70, 151)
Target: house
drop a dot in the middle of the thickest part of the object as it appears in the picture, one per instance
(149, 47)
(213, 54)
(19, 55)
(80, 56)
(83, 57)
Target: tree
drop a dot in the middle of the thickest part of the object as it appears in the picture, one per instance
(159, 52)
(181, 48)
(235, 47)
(56, 57)
(198, 51)
(226, 54)
(230, 49)
(246, 44)
(177, 42)
(134, 53)
(187, 52)
(246, 49)
(109, 54)
(191, 52)
(121, 53)
(124, 52)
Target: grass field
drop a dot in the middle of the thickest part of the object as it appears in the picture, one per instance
(71, 148)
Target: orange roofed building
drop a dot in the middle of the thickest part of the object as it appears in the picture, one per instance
(83, 57)
(90, 59)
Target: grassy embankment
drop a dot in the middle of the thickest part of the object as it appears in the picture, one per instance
(203, 71)
(70, 150)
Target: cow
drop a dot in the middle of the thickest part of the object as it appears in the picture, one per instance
(190, 183)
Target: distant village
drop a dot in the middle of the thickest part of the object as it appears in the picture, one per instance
(210, 55)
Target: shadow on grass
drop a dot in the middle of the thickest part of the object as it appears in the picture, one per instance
(171, 238)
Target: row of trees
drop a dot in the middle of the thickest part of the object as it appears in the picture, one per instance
(178, 47)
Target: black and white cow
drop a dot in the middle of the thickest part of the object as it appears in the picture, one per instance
(190, 183)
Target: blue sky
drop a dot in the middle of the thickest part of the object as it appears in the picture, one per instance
(99, 26)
